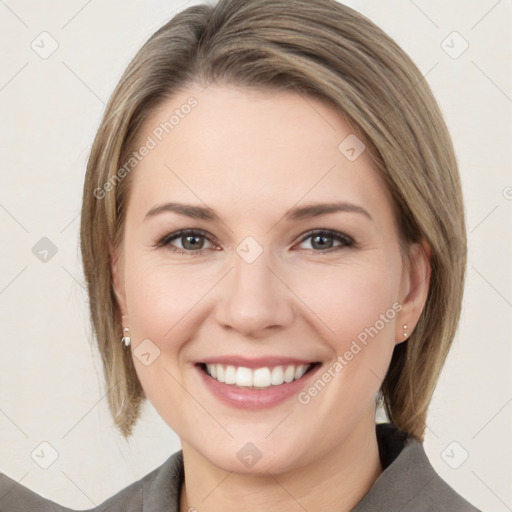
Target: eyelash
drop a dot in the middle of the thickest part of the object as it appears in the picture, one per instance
(164, 242)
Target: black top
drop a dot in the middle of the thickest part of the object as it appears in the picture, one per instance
(407, 484)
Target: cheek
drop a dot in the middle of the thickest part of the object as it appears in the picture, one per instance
(161, 298)
(162, 304)
(352, 298)
(165, 306)
(355, 308)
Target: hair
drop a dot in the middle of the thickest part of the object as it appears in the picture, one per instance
(325, 50)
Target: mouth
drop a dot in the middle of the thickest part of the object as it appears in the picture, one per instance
(264, 377)
(255, 384)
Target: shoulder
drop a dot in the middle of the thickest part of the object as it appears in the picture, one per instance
(150, 493)
(409, 482)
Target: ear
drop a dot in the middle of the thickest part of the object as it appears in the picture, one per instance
(414, 288)
(117, 278)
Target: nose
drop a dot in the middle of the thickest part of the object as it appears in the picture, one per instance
(254, 300)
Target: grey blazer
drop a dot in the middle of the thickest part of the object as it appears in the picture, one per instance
(407, 484)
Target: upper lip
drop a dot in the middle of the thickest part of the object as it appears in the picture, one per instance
(255, 362)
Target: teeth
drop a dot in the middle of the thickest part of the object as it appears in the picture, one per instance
(230, 375)
(289, 373)
(259, 377)
(277, 377)
(300, 371)
(243, 376)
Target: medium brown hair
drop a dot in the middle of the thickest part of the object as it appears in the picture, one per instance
(328, 51)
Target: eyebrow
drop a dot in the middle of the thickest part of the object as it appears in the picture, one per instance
(297, 213)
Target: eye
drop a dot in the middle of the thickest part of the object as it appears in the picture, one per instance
(189, 240)
(322, 240)
(192, 241)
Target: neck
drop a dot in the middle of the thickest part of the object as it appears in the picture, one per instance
(336, 481)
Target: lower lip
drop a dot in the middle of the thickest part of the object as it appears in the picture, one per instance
(245, 398)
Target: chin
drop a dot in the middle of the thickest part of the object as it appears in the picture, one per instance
(250, 460)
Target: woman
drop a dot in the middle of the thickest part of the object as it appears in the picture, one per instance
(273, 240)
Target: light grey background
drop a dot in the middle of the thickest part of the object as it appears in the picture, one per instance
(51, 383)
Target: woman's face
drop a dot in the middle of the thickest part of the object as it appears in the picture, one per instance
(268, 282)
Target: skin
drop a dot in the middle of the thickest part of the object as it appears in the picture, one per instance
(251, 156)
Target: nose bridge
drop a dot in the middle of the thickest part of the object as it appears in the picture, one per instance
(253, 297)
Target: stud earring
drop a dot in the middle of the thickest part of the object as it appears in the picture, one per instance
(126, 337)
(405, 331)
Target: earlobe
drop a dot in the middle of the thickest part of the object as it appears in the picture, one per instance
(417, 278)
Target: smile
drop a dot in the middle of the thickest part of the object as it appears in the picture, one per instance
(256, 378)
(255, 383)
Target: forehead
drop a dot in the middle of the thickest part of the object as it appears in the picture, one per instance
(238, 146)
